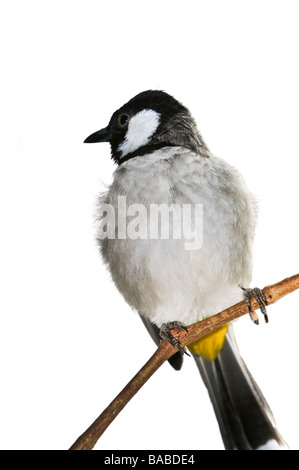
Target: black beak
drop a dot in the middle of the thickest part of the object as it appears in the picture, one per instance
(100, 136)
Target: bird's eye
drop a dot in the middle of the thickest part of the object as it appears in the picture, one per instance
(123, 119)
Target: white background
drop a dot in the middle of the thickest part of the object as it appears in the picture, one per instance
(69, 343)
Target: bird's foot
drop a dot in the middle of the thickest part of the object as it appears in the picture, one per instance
(165, 333)
(260, 297)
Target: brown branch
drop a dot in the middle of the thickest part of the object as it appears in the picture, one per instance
(273, 293)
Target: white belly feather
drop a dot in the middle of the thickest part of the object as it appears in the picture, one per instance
(160, 278)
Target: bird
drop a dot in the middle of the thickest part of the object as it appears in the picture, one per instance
(165, 174)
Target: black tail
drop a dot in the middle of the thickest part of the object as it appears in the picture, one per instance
(244, 417)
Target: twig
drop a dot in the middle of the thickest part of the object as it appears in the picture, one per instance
(273, 293)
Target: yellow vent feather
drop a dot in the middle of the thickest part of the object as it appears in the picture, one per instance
(210, 345)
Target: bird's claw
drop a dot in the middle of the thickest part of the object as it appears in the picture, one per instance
(261, 299)
(165, 333)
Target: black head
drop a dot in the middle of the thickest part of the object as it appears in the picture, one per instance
(148, 122)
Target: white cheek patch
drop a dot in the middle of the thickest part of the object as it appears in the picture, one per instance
(141, 128)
